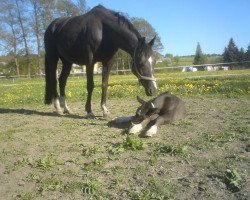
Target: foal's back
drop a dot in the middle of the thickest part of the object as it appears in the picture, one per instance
(172, 106)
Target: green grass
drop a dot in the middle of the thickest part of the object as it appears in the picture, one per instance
(178, 149)
(31, 91)
(233, 180)
(45, 163)
(25, 196)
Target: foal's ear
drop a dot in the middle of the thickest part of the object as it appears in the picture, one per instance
(141, 101)
(151, 43)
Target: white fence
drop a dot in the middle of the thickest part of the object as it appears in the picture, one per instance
(216, 66)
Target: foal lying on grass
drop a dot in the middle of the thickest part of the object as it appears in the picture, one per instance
(165, 108)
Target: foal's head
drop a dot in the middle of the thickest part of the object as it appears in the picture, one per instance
(142, 65)
(146, 110)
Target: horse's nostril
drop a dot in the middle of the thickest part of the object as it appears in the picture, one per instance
(150, 91)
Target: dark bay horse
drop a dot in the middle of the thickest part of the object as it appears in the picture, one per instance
(86, 39)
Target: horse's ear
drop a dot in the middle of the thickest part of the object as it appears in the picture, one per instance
(142, 41)
(151, 43)
(141, 101)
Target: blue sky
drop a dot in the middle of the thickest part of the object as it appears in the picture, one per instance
(181, 24)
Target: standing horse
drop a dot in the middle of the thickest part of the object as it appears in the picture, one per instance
(86, 39)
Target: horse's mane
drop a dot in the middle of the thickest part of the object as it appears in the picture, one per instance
(124, 20)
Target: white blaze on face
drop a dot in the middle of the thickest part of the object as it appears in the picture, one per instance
(150, 60)
(155, 85)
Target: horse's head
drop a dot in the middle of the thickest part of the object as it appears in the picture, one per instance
(142, 65)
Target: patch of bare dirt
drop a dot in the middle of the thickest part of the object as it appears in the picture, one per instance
(41, 154)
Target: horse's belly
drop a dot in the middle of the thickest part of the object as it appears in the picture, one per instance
(73, 54)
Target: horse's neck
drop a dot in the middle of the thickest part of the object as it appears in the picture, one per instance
(127, 38)
(130, 43)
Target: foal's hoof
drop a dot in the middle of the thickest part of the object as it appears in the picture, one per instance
(90, 116)
(135, 129)
(151, 132)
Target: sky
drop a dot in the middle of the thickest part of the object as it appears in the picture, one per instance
(181, 24)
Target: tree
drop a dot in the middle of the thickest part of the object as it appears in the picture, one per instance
(147, 30)
(231, 52)
(241, 55)
(70, 8)
(36, 24)
(23, 23)
(247, 54)
(199, 56)
(10, 33)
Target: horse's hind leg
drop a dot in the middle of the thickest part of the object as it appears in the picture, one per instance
(62, 84)
(51, 81)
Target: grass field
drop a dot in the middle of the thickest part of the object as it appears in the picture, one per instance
(205, 156)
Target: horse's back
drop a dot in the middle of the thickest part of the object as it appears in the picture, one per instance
(72, 36)
(77, 24)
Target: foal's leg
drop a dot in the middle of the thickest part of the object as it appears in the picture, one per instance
(158, 121)
(138, 127)
(105, 76)
(62, 83)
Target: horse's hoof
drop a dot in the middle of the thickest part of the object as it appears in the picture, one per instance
(58, 112)
(90, 116)
(151, 132)
(135, 129)
(106, 114)
(67, 112)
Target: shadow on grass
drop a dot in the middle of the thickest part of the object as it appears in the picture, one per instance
(23, 111)
(113, 124)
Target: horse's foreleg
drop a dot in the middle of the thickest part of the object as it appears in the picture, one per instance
(90, 82)
(62, 83)
(90, 87)
(105, 77)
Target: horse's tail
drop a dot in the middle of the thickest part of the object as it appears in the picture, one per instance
(49, 83)
(51, 58)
